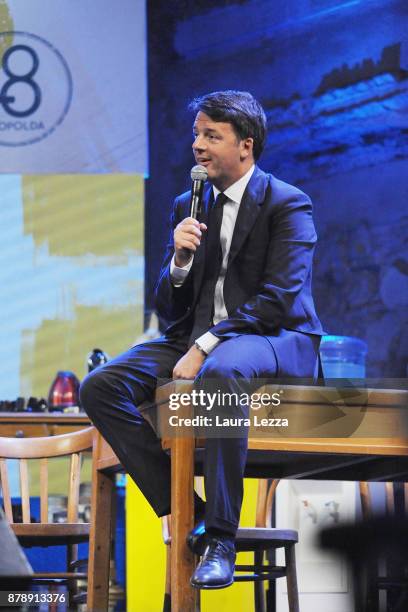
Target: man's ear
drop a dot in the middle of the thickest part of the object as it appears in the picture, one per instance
(247, 147)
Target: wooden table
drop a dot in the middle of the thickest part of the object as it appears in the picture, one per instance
(357, 457)
(35, 424)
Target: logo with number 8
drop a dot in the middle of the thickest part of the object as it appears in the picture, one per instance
(35, 89)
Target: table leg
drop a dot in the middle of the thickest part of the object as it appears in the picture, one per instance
(100, 535)
(183, 597)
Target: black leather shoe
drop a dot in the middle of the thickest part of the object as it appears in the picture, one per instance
(216, 568)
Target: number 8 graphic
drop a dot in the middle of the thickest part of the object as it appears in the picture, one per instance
(6, 100)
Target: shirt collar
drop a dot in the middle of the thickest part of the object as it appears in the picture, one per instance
(236, 190)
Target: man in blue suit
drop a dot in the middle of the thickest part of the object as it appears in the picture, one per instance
(235, 287)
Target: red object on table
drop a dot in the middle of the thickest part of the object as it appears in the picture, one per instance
(64, 391)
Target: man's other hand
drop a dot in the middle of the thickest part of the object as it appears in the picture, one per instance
(188, 366)
(187, 238)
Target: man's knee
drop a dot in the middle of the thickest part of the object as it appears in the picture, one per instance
(90, 388)
(228, 378)
(215, 368)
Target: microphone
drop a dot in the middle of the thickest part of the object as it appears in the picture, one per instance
(199, 175)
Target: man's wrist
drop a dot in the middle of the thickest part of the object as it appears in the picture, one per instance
(200, 348)
(178, 275)
(182, 262)
(208, 342)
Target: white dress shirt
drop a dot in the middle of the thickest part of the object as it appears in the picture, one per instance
(234, 193)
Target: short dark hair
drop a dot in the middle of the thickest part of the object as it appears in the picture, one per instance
(238, 108)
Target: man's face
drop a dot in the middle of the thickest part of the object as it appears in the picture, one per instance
(217, 147)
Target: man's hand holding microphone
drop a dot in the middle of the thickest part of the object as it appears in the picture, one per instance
(187, 238)
(187, 235)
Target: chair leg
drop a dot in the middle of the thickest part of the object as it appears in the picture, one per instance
(259, 589)
(167, 593)
(99, 540)
(167, 589)
(291, 578)
(359, 587)
(53, 607)
(371, 588)
(72, 585)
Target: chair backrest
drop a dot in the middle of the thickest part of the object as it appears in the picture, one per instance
(265, 501)
(367, 507)
(22, 449)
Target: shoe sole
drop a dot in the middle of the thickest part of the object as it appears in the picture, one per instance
(209, 587)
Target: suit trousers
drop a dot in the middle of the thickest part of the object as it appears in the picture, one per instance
(111, 394)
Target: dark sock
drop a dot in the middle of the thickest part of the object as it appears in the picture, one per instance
(199, 508)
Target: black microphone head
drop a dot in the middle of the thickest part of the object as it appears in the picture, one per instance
(199, 173)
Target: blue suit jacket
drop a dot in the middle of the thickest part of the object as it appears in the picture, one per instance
(268, 280)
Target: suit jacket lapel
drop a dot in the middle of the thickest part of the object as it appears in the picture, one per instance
(249, 209)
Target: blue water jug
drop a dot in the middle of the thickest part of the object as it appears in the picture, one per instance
(343, 357)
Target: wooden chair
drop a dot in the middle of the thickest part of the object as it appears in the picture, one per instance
(259, 539)
(386, 569)
(44, 533)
